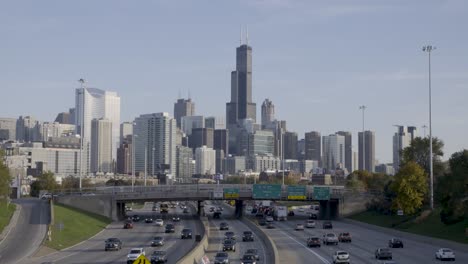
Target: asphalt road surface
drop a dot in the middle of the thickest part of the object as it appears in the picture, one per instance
(292, 247)
(217, 236)
(92, 250)
(26, 237)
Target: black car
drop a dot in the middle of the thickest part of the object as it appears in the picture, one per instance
(327, 225)
(113, 244)
(247, 236)
(157, 241)
(229, 235)
(313, 216)
(186, 233)
(253, 251)
(395, 243)
(149, 220)
(186, 211)
(136, 218)
(170, 228)
(223, 226)
(262, 222)
(217, 215)
(291, 213)
(158, 257)
(128, 224)
(313, 242)
(221, 258)
(383, 253)
(175, 219)
(270, 226)
(248, 259)
(229, 244)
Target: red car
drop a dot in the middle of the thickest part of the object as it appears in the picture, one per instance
(128, 225)
(344, 237)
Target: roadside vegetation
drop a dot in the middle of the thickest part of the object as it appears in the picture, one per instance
(6, 212)
(6, 209)
(72, 226)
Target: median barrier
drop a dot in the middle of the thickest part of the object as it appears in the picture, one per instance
(270, 246)
(195, 255)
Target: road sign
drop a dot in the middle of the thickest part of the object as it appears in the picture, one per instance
(141, 260)
(296, 192)
(266, 191)
(231, 193)
(217, 194)
(321, 193)
(400, 212)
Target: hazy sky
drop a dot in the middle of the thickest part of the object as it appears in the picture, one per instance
(316, 60)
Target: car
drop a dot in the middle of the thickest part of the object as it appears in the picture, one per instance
(170, 228)
(301, 209)
(212, 209)
(229, 244)
(330, 238)
(253, 251)
(186, 211)
(313, 242)
(291, 213)
(186, 233)
(221, 258)
(259, 214)
(310, 224)
(344, 237)
(136, 218)
(247, 236)
(223, 226)
(149, 220)
(395, 243)
(383, 253)
(270, 226)
(262, 222)
(299, 227)
(248, 259)
(217, 215)
(340, 257)
(159, 222)
(155, 208)
(158, 257)
(157, 241)
(445, 254)
(327, 225)
(128, 208)
(313, 216)
(112, 244)
(46, 196)
(128, 224)
(175, 219)
(254, 211)
(134, 254)
(269, 219)
(230, 235)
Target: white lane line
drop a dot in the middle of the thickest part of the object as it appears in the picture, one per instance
(313, 252)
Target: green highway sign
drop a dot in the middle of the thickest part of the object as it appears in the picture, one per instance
(321, 193)
(296, 192)
(267, 191)
(231, 193)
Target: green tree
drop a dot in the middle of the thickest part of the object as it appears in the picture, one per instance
(410, 188)
(72, 182)
(44, 182)
(5, 179)
(418, 151)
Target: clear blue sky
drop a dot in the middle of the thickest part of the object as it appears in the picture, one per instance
(316, 60)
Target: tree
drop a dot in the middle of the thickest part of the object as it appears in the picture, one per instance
(72, 182)
(5, 179)
(410, 188)
(44, 182)
(418, 151)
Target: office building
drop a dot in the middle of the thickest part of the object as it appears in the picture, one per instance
(28, 129)
(184, 160)
(219, 161)
(125, 156)
(126, 129)
(101, 146)
(268, 112)
(369, 151)
(221, 140)
(260, 142)
(260, 163)
(215, 122)
(307, 166)
(402, 139)
(205, 161)
(189, 123)
(55, 129)
(7, 129)
(278, 127)
(348, 164)
(183, 107)
(313, 146)
(234, 164)
(301, 149)
(333, 152)
(385, 169)
(66, 117)
(201, 137)
(290, 145)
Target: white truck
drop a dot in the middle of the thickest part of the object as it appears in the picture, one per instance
(280, 213)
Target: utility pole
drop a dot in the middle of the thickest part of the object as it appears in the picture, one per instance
(146, 159)
(82, 82)
(363, 108)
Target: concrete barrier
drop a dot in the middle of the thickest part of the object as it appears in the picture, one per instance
(11, 224)
(100, 205)
(196, 254)
(270, 246)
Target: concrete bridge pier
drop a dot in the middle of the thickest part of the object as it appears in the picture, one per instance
(329, 210)
(120, 211)
(239, 205)
(200, 210)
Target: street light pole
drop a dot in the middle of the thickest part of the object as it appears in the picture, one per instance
(429, 50)
(133, 157)
(82, 81)
(363, 108)
(152, 163)
(146, 158)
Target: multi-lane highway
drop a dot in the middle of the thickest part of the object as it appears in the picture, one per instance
(292, 247)
(92, 250)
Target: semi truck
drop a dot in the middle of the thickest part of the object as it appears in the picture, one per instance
(280, 213)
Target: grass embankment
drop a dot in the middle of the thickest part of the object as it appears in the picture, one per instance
(6, 213)
(72, 226)
(431, 226)
(137, 205)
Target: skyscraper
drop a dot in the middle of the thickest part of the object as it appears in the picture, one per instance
(101, 145)
(290, 145)
(183, 107)
(215, 122)
(401, 139)
(28, 129)
(126, 129)
(348, 164)
(313, 147)
(188, 123)
(7, 129)
(268, 112)
(221, 140)
(369, 151)
(333, 151)
(205, 161)
(184, 162)
(201, 137)
(125, 156)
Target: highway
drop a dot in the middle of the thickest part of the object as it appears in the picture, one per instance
(217, 236)
(292, 247)
(92, 250)
(28, 232)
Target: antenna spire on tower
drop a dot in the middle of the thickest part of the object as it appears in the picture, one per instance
(189, 96)
(247, 36)
(240, 36)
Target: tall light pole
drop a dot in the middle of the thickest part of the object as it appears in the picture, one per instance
(146, 159)
(429, 50)
(282, 152)
(133, 157)
(82, 82)
(363, 108)
(152, 163)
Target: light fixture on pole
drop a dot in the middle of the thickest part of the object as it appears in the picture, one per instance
(429, 50)
(363, 108)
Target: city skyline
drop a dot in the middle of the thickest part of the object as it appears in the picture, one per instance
(312, 80)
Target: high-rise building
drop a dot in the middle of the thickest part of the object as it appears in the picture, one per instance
(126, 129)
(301, 149)
(65, 118)
(155, 143)
(333, 152)
(313, 146)
(183, 107)
(260, 143)
(201, 137)
(188, 123)
(234, 164)
(369, 151)
(260, 163)
(278, 127)
(125, 156)
(268, 112)
(55, 129)
(215, 122)
(92, 103)
(101, 146)
(348, 164)
(385, 169)
(184, 160)
(401, 139)
(221, 140)
(290, 145)
(205, 161)
(7, 129)
(241, 105)
(28, 129)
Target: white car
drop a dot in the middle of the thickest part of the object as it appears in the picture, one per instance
(310, 224)
(299, 227)
(445, 254)
(46, 196)
(301, 209)
(269, 219)
(134, 254)
(341, 257)
(159, 222)
(330, 238)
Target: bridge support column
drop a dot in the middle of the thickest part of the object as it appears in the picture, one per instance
(323, 210)
(120, 211)
(200, 211)
(239, 206)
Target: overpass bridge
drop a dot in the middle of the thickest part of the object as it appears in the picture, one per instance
(110, 201)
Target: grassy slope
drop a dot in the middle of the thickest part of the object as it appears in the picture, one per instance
(5, 214)
(77, 226)
(432, 226)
